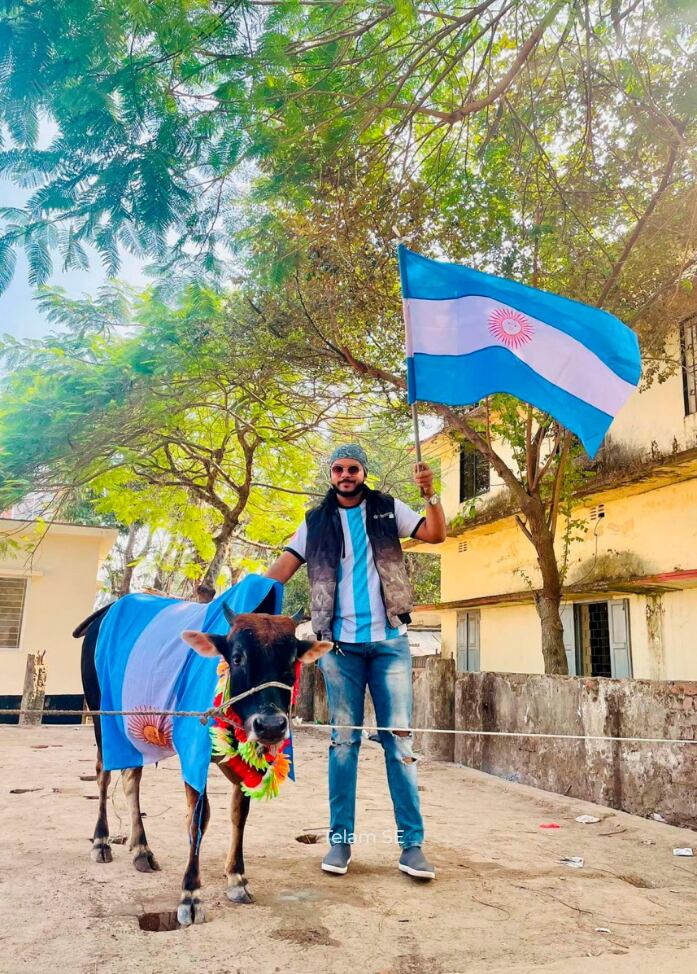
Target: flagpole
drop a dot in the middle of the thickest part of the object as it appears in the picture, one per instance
(414, 409)
(417, 441)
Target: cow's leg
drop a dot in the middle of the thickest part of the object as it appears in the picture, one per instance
(101, 850)
(237, 886)
(190, 908)
(143, 859)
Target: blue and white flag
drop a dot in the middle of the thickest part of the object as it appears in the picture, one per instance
(470, 335)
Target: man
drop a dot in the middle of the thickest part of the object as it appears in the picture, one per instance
(361, 599)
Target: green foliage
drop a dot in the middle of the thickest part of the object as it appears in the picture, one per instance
(174, 416)
(538, 133)
(424, 575)
(548, 141)
(296, 596)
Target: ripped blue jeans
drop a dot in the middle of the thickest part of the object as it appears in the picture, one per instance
(384, 667)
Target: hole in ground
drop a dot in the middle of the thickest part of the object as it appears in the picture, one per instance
(158, 922)
(308, 838)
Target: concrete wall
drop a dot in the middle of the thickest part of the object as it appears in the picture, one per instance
(61, 590)
(638, 778)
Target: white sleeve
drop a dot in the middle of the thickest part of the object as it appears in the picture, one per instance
(298, 543)
(407, 520)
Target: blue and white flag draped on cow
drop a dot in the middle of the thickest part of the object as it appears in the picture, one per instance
(470, 335)
(144, 664)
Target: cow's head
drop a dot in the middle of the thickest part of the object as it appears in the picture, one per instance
(259, 648)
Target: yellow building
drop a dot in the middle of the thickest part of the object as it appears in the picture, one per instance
(45, 591)
(630, 606)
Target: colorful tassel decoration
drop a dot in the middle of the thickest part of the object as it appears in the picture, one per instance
(261, 771)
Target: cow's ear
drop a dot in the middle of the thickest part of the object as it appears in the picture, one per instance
(309, 650)
(205, 643)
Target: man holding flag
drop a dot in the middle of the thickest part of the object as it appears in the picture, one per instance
(361, 599)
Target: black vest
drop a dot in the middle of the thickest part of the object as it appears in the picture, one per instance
(325, 548)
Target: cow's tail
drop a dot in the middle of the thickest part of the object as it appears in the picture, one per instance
(80, 630)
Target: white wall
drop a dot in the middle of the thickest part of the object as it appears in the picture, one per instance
(60, 594)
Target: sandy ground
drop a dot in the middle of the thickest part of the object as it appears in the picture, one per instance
(502, 901)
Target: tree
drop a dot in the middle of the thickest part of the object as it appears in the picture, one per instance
(177, 414)
(550, 141)
(160, 111)
(571, 171)
(342, 303)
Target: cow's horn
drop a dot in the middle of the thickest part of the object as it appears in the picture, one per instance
(228, 613)
(298, 616)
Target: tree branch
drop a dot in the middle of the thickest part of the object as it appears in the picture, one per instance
(641, 223)
(477, 104)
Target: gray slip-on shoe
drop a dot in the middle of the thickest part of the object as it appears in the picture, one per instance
(414, 863)
(337, 859)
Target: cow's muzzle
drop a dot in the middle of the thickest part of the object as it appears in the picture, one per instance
(268, 726)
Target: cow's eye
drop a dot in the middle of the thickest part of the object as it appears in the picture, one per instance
(236, 659)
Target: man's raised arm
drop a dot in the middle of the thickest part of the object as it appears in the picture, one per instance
(284, 567)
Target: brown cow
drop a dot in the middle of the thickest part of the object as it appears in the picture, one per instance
(259, 648)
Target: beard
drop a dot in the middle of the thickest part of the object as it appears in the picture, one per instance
(345, 492)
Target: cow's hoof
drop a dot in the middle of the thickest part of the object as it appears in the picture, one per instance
(240, 894)
(189, 911)
(145, 862)
(101, 851)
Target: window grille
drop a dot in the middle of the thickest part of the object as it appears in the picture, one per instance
(12, 595)
(474, 473)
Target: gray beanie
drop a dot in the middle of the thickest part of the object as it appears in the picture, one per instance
(350, 451)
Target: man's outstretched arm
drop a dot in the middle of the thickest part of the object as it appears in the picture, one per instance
(284, 567)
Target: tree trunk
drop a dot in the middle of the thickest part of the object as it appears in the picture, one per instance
(548, 598)
(553, 651)
(222, 545)
(34, 690)
(128, 556)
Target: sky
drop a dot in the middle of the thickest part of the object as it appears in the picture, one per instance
(19, 312)
(20, 315)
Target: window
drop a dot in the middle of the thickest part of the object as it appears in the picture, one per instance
(688, 350)
(597, 638)
(474, 473)
(468, 649)
(12, 593)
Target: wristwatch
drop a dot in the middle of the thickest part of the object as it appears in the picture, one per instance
(433, 500)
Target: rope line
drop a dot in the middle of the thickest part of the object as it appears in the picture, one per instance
(485, 733)
(204, 715)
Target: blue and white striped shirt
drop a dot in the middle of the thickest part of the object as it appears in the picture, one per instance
(359, 612)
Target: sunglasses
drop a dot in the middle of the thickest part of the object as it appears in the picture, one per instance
(337, 469)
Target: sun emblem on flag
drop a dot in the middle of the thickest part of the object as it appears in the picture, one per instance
(510, 327)
(154, 729)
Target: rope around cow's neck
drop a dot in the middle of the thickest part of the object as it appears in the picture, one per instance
(219, 711)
